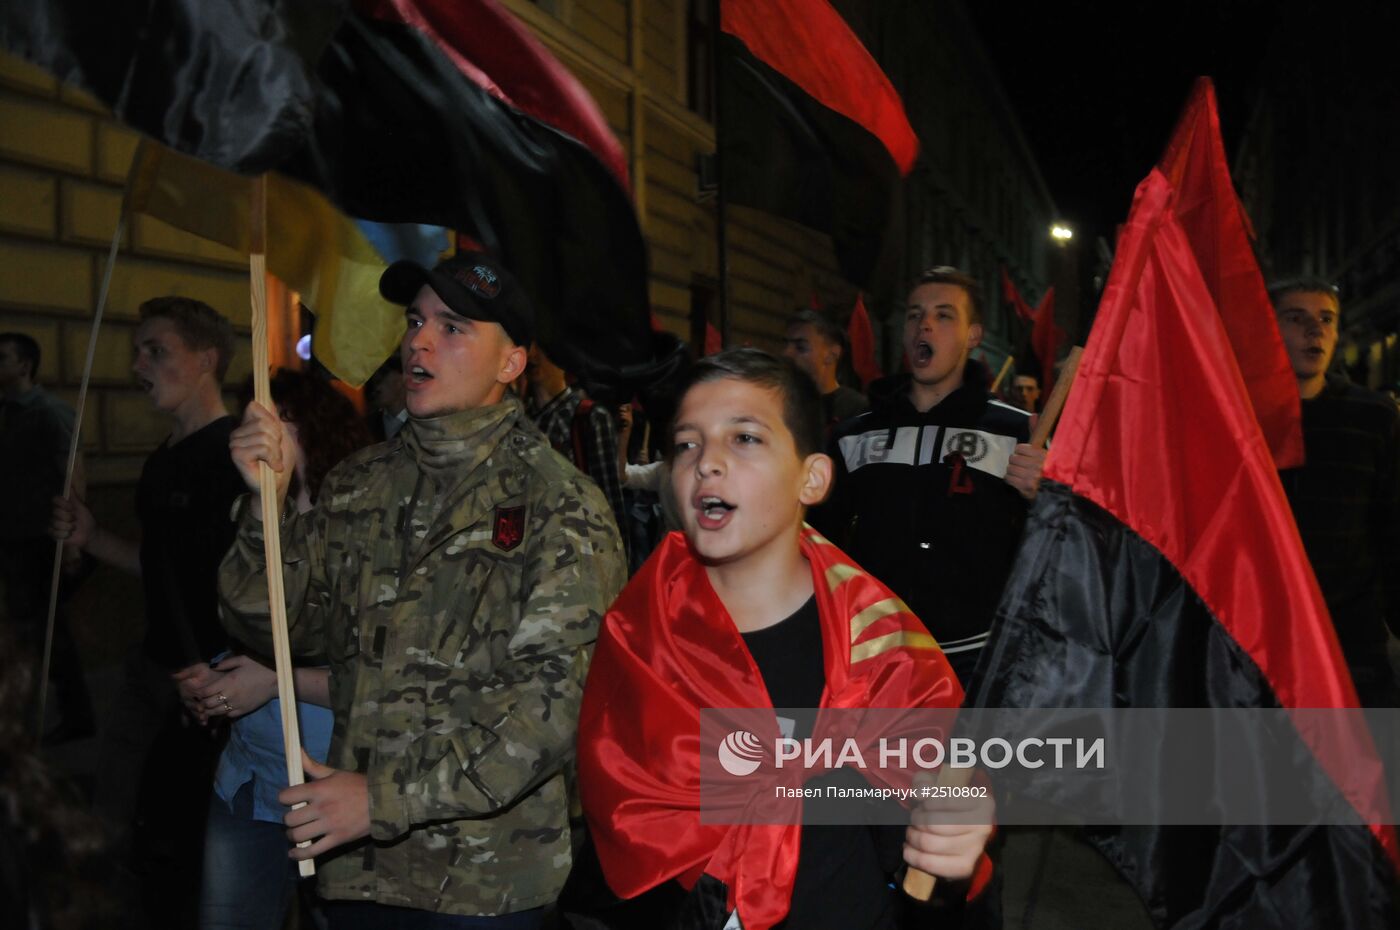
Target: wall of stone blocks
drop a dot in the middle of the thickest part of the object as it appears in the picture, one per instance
(63, 166)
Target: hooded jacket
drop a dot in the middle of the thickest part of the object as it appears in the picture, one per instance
(921, 502)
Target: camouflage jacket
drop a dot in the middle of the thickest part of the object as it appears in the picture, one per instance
(454, 579)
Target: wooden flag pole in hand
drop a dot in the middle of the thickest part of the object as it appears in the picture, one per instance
(73, 448)
(1056, 403)
(1001, 375)
(271, 517)
(918, 884)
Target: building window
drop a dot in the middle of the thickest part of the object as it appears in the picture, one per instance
(700, 57)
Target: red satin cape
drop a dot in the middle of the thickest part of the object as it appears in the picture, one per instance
(668, 649)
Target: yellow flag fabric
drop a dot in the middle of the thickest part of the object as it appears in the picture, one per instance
(312, 247)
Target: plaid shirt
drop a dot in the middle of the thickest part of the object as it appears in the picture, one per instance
(598, 442)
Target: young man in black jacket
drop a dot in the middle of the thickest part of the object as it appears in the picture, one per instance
(1346, 497)
(932, 484)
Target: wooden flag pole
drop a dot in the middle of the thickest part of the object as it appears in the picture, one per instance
(73, 447)
(1056, 403)
(918, 884)
(1001, 375)
(267, 492)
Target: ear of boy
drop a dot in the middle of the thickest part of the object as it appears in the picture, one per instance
(817, 471)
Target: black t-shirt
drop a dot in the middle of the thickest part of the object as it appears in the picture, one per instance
(843, 879)
(844, 875)
(1346, 499)
(183, 501)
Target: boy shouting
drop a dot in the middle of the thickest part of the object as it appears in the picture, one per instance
(749, 608)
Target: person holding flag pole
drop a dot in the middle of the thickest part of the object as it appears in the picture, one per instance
(453, 578)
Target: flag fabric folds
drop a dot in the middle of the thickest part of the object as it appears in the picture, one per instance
(666, 652)
(861, 337)
(500, 54)
(810, 128)
(372, 104)
(231, 83)
(1220, 236)
(313, 248)
(403, 135)
(1046, 338)
(1012, 295)
(1161, 567)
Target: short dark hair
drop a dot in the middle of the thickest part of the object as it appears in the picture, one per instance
(947, 274)
(802, 405)
(1303, 284)
(821, 323)
(199, 325)
(27, 348)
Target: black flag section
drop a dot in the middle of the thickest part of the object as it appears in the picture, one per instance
(786, 153)
(1094, 616)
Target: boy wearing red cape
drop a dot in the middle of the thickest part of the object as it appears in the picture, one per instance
(750, 608)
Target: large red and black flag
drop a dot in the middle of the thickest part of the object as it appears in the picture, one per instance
(810, 127)
(444, 112)
(1161, 568)
(1220, 236)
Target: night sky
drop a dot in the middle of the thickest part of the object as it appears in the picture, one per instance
(1097, 86)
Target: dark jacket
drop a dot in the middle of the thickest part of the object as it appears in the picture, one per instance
(920, 501)
(1346, 500)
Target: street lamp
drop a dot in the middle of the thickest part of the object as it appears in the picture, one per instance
(1061, 233)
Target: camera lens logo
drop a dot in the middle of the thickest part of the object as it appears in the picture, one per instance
(741, 753)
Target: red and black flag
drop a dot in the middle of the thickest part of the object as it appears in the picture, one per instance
(810, 128)
(399, 111)
(1161, 568)
(1220, 236)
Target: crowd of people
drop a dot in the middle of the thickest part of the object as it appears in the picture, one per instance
(451, 559)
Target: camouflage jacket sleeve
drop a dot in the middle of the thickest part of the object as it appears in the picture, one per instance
(243, 581)
(514, 728)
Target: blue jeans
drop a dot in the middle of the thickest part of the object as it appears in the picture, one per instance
(348, 915)
(248, 879)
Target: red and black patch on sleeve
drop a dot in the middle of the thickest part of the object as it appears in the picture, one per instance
(509, 528)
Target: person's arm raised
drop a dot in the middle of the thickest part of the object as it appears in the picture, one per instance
(262, 437)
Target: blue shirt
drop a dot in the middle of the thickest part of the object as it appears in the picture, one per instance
(254, 754)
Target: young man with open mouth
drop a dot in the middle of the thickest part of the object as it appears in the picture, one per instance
(932, 484)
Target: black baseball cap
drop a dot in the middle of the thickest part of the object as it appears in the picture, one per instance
(472, 284)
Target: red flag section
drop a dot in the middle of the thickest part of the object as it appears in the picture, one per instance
(713, 341)
(1219, 235)
(1046, 338)
(498, 53)
(663, 655)
(1160, 567)
(808, 42)
(862, 340)
(809, 128)
(1159, 432)
(1012, 295)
